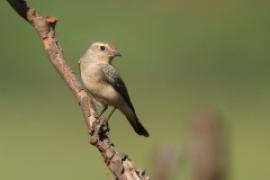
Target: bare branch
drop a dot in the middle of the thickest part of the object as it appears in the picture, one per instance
(167, 160)
(119, 164)
(207, 138)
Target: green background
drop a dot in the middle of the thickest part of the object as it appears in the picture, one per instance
(177, 55)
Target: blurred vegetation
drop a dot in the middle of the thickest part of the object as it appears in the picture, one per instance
(176, 54)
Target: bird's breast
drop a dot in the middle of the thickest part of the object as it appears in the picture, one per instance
(92, 77)
(94, 80)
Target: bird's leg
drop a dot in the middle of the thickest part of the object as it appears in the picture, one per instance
(103, 111)
(105, 127)
(111, 113)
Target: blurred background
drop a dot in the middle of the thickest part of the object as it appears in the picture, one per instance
(176, 55)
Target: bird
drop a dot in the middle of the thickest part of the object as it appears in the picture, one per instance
(105, 84)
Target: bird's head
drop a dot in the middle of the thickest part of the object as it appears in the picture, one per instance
(102, 52)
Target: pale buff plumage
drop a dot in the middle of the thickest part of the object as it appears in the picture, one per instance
(105, 83)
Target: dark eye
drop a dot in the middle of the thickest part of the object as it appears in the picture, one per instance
(102, 48)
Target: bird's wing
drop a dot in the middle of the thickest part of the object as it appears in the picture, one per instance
(114, 79)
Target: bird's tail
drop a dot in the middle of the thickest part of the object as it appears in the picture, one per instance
(135, 122)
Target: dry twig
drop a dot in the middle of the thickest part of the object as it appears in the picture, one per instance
(208, 146)
(167, 160)
(118, 163)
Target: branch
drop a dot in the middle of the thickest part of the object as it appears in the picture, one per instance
(207, 150)
(119, 164)
(167, 160)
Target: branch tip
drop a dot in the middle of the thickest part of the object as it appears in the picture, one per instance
(51, 19)
(20, 6)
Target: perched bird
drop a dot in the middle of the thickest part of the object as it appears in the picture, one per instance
(105, 84)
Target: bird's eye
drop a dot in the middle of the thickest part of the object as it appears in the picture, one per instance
(102, 48)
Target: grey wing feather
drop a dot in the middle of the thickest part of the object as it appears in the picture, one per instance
(114, 78)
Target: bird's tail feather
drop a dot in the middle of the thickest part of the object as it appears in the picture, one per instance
(135, 123)
(138, 127)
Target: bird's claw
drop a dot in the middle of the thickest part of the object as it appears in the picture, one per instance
(104, 129)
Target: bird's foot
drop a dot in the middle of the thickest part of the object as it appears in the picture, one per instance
(104, 127)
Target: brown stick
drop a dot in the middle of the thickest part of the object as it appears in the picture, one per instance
(208, 153)
(167, 160)
(118, 163)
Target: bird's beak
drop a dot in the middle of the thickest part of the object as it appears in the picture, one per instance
(116, 53)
